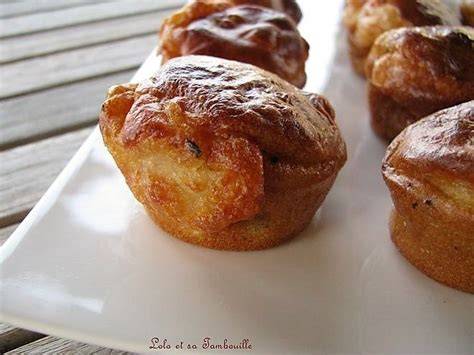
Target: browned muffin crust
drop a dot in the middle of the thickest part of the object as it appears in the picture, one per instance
(367, 19)
(467, 12)
(289, 7)
(223, 154)
(429, 170)
(413, 72)
(250, 34)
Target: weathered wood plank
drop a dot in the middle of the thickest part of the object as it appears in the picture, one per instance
(76, 15)
(5, 233)
(42, 114)
(19, 8)
(11, 337)
(42, 43)
(26, 172)
(54, 345)
(66, 67)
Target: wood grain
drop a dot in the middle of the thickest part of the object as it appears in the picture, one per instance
(47, 72)
(54, 345)
(54, 41)
(39, 115)
(5, 233)
(77, 15)
(11, 337)
(26, 172)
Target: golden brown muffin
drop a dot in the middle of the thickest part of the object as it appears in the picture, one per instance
(249, 34)
(467, 12)
(413, 72)
(289, 7)
(223, 154)
(367, 19)
(429, 170)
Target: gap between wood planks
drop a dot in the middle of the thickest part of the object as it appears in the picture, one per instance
(11, 337)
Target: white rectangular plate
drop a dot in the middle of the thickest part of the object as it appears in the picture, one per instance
(88, 264)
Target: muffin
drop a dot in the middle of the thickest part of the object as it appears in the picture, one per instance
(413, 72)
(467, 12)
(223, 154)
(367, 19)
(249, 34)
(289, 7)
(429, 170)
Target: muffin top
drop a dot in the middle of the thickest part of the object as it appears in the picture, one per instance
(367, 19)
(213, 97)
(250, 34)
(439, 151)
(424, 67)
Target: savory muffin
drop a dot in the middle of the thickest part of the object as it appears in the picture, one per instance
(367, 19)
(413, 72)
(467, 12)
(289, 7)
(429, 170)
(249, 34)
(223, 154)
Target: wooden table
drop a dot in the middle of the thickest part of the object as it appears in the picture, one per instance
(57, 59)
